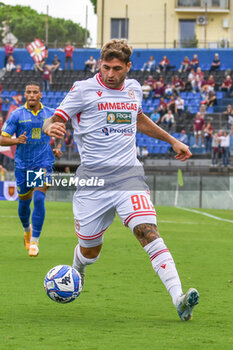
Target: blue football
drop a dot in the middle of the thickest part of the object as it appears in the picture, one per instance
(63, 284)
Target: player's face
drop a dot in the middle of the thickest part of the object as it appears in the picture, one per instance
(33, 96)
(113, 73)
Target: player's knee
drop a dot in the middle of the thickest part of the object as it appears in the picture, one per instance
(91, 253)
(38, 198)
(146, 233)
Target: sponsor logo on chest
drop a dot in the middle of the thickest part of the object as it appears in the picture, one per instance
(119, 118)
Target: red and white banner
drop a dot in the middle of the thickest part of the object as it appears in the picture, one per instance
(37, 50)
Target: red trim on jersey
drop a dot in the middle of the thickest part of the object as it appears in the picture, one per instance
(140, 213)
(140, 111)
(90, 238)
(61, 116)
(98, 78)
(60, 110)
(78, 117)
(166, 250)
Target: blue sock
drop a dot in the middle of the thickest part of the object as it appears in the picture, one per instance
(38, 214)
(24, 212)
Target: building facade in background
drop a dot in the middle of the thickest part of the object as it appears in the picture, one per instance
(166, 23)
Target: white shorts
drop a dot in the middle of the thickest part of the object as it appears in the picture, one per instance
(198, 132)
(95, 211)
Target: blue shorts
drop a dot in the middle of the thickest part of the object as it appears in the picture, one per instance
(27, 180)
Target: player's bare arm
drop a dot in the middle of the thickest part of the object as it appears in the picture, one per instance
(8, 141)
(146, 126)
(146, 233)
(55, 127)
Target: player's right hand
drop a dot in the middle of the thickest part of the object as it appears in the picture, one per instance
(56, 129)
(22, 138)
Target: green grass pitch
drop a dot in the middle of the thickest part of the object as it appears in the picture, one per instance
(123, 305)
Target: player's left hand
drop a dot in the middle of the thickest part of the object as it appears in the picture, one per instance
(182, 151)
(57, 152)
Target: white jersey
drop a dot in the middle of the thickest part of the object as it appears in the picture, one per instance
(104, 121)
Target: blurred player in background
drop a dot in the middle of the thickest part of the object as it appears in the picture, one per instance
(106, 113)
(33, 153)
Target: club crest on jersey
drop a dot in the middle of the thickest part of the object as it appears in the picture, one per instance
(99, 93)
(119, 118)
(131, 94)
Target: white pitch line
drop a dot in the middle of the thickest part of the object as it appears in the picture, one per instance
(206, 214)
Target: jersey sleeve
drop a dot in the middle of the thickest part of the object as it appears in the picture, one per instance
(10, 125)
(72, 103)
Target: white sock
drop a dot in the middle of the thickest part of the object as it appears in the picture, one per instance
(34, 239)
(80, 262)
(27, 229)
(164, 266)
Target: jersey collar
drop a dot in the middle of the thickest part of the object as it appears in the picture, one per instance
(99, 80)
(30, 110)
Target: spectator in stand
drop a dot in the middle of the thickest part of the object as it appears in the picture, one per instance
(67, 170)
(151, 82)
(202, 110)
(225, 147)
(9, 50)
(216, 63)
(164, 64)
(90, 65)
(191, 83)
(47, 77)
(69, 49)
(199, 77)
(207, 85)
(146, 90)
(184, 137)
(208, 134)
(179, 106)
(10, 64)
(144, 152)
(168, 120)
(211, 99)
(211, 83)
(39, 66)
(149, 66)
(215, 150)
(55, 64)
(229, 114)
(161, 81)
(198, 127)
(178, 85)
(227, 84)
(185, 65)
(155, 117)
(159, 90)
(162, 108)
(194, 63)
(172, 104)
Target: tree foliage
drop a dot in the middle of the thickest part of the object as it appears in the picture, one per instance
(94, 2)
(26, 24)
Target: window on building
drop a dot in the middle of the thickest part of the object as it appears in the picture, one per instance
(189, 3)
(187, 32)
(201, 3)
(119, 28)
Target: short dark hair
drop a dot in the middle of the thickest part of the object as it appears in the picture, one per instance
(116, 48)
(33, 82)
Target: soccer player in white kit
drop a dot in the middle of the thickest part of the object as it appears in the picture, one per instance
(106, 112)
